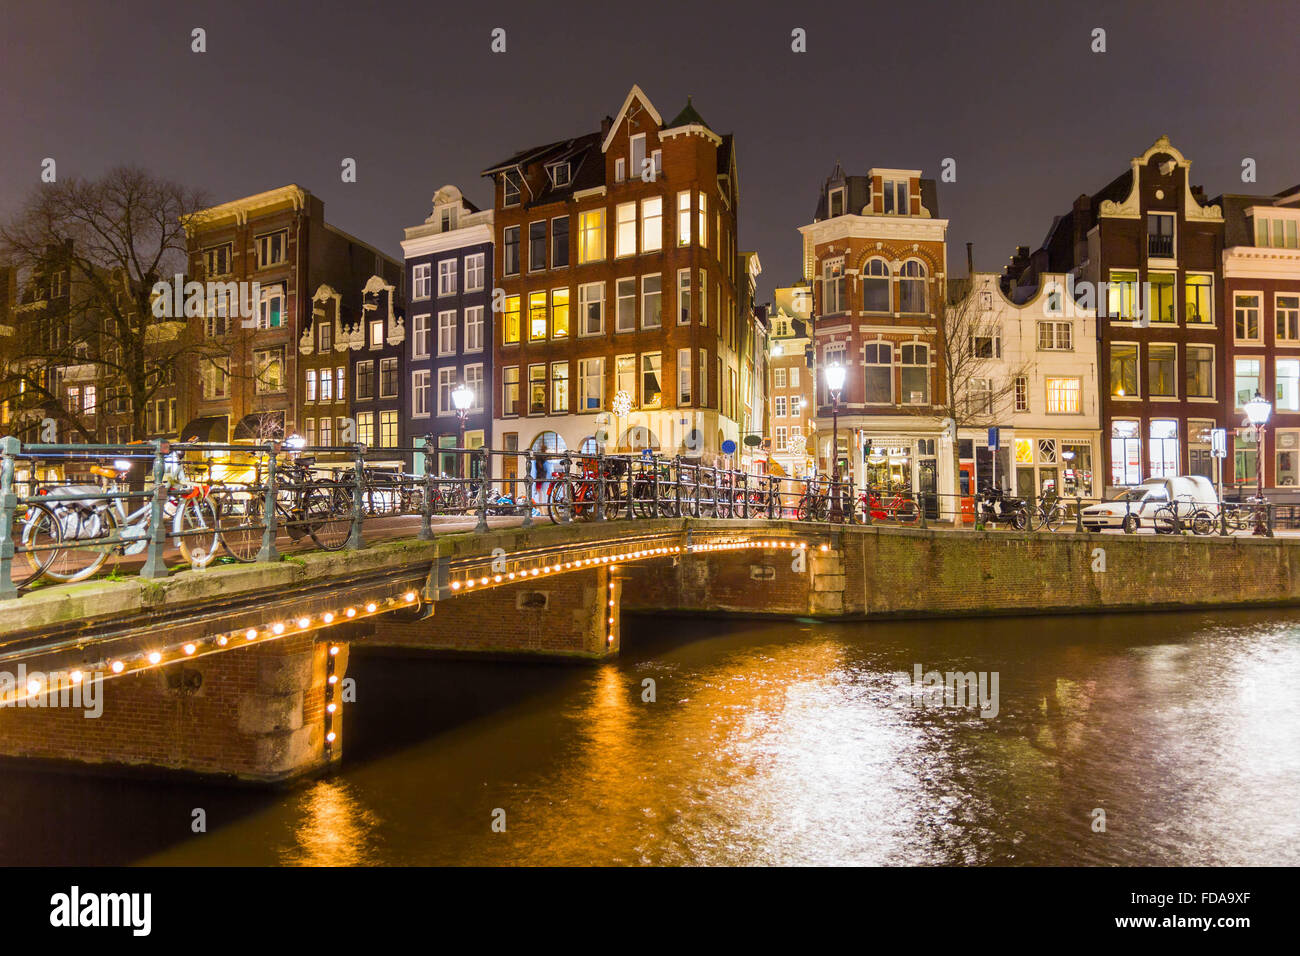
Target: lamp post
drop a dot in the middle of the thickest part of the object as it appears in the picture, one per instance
(462, 396)
(835, 384)
(1257, 411)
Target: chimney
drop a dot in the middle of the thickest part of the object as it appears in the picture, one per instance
(970, 258)
(605, 124)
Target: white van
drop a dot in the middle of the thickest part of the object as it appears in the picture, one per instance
(1136, 508)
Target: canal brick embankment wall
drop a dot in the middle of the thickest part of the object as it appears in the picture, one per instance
(873, 571)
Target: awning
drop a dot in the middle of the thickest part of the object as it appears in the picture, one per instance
(211, 428)
(260, 426)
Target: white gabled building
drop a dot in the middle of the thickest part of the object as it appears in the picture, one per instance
(1052, 438)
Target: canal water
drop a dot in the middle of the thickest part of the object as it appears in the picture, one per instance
(765, 743)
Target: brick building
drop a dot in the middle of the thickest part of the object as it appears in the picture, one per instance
(876, 256)
(617, 258)
(791, 408)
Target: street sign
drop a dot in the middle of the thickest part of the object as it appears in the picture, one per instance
(1219, 442)
(993, 437)
(753, 441)
(728, 447)
(647, 454)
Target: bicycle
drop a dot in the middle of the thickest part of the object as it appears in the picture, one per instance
(321, 510)
(900, 508)
(38, 531)
(568, 499)
(814, 503)
(1048, 512)
(106, 527)
(1183, 513)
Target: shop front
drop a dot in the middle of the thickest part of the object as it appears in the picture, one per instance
(1060, 464)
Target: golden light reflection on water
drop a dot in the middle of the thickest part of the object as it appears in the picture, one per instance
(335, 828)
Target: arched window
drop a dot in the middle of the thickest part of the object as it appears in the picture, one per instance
(875, 286)
(915, 373)
(878, 359)
(911, 287)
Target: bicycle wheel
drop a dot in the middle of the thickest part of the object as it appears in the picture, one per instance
(327, 522)
(197, 531)
(38, 531)
(1054, 517)
(1203, 522)
(239, 516)
(1165, 520)
(559, 501)
(78, 556)
(907, 512)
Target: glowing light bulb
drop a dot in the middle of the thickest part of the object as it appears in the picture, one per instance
(334, 649)
(190, 648)
(76, 677)
(327, 617)
(223, 639)
(330, 708)
(370, 608)
(155, 657)
(33, 686)
(330, 736)
(277, 628)
(304, 621)
(410, 595)
(117, 667)
(351, 612)
(334, 678)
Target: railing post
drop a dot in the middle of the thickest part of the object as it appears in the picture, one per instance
(628, 474)
(600, 486)
(529, 462)
(1223, 519)
(154, 566)
(426, 511)
(773, 497)
(566, 461)
(482, 526)
(8, 510)
(1078, 514)
(699, 487)
(268, 551)
(356, 540)
(921, 505)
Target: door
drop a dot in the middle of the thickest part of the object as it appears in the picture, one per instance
(928, 484)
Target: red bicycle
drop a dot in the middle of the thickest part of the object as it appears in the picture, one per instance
(569, 498)
(899, 507)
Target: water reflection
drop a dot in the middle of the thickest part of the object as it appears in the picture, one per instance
(788, 743)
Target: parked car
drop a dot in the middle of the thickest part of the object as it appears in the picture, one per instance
(1137, 506)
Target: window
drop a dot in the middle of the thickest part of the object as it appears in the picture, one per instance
(1286, 312)
(625, 375)
(536, 316)
(1160, 235)
(1198, 295)
(388, 378)
(704, 305)
(340, 383)
(915, 374)
(684, 219)
(271, 248)
(377, 333)
(896, 198)
(474, 329)
(559, 242)
(365, 380)
(591, 236)
(510, 257)
(446, 385)
(420, 393)
(475, 270)
(537, 246)
(446, 333)
(559, 388)
(986, 346)
(309, 432)
(1246, 382)
(446, 219)
(270, 313)
(591, 384)
(1063, 395)
(326, 432)
(636, 150)
(1055, 337)
(216, 261)
(1125, 453)
(217, 319)
(510, 390)
(1288, 385)
(559, 313)
(1246, 316)
(778, 406)
(683, 296)
(366, 428)
(74, 400)
(778, 378)
(1022, 393)
(1161, 303)
(620, 170)
(591, 303)
(447, 277)
(1122, 294)
(327, 385)
(703, 398)
(911, 287)
(780, 436)
(658, 157)
(651, 301)
(1124, 371)
(833, 287)
(625, 307)
(652, 224)
(560, 175)
(474, 380)
(324, 337)
(625, 234)
(421, 281)
(878, 359)
(388, 429)
(979, 397)
(269, 364)
(216, 378)
(651, 366)
(703, 218)
(1200, 371)
(510, 188)
(875, 286)
(683, 376)
(310, 385)
(1162, 360)
(1164, 448)
(510, 320)
(836, 201)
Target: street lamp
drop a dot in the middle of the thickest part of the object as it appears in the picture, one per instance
(1257, 411)
(835, 384)
(462, 396)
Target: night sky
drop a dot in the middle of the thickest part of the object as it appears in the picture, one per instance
(1011, 91)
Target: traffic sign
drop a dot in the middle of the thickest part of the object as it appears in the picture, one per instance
(728, 447)
(1219, 442)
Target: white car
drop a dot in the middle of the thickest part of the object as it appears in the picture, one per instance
(1137, 507)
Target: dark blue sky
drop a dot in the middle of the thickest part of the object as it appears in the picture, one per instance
(411, 90)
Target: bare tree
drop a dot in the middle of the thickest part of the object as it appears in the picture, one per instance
(102, 245)
(978, 387)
